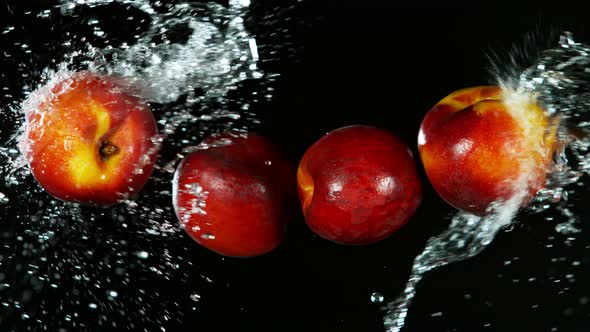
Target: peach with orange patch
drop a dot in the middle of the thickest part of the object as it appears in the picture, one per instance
(480, 145)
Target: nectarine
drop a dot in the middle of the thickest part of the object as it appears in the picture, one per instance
(480, 145)
(233, 195)
(89, 140)
(358, 185)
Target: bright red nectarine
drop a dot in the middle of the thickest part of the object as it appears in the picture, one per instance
(358, 185)
(233, 195)
(481, 145)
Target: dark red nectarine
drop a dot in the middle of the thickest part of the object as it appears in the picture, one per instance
(233, 195)
(358, 185)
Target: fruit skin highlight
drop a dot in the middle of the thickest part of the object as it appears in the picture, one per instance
(484, 144)
(88, 140)
(358, 185)
(235, 194)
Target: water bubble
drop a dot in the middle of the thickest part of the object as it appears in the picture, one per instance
(377, 297)
(112, 294)
(92, 306)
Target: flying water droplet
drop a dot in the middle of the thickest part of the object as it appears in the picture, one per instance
(377, 297)
(142, 254)
(112, 294)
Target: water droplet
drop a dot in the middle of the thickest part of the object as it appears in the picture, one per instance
(142, 254)
(566, 228)
(8, 29)
(207, 236)
(194, 188)
(377, 297)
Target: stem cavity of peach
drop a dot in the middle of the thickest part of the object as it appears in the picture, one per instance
(107, 149)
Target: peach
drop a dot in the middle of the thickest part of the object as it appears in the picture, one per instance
(482, 144)
(234, 195)
(358, 185)
(89, 140)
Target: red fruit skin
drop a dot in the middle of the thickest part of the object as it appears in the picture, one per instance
(65, 126)
(474, 149)
(358, 185)
(245, 195)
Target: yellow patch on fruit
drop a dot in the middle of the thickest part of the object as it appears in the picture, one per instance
(103, 120)
(87, 166)
(306, 185)
(427, 159)
(461, 99)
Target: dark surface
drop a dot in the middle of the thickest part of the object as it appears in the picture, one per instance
(384, 66)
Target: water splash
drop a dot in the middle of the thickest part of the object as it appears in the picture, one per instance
(217, 54)
(70, 267)
(561, 83)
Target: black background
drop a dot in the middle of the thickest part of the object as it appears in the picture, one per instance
(363, 63)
